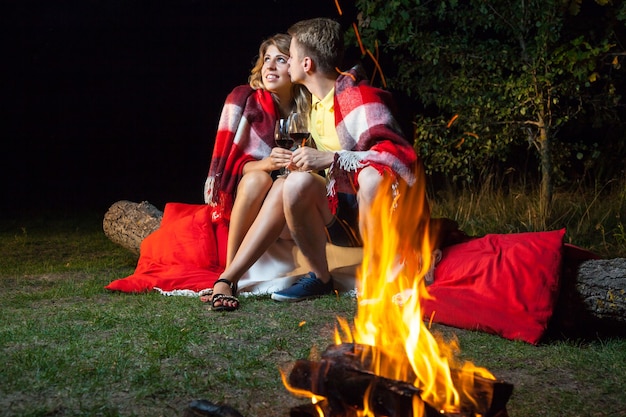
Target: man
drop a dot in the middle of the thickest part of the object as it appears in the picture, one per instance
(357, 142)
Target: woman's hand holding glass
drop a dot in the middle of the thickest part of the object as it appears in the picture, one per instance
(289, 134)
(298, 131)
(285, 145)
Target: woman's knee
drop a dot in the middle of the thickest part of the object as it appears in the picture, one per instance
(254, 183)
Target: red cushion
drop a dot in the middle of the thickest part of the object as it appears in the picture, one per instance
(187, 252)
(505, 284)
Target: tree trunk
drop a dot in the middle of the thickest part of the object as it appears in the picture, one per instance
(545, 196)
(602, 286)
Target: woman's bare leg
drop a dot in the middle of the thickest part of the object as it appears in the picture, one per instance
(251, 192)
(264, 231)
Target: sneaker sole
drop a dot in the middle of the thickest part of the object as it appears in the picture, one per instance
(278, 297)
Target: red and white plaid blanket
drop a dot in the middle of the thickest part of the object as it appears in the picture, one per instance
(245, 133)
(368, 133)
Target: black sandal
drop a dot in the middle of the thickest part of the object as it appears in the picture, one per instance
(224, 297)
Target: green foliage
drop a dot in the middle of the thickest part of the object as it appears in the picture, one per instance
(514, 72)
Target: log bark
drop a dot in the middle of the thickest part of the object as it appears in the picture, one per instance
(602, 286)
(128, 224)
(592, 301)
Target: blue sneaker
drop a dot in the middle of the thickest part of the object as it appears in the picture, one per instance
(309, 286)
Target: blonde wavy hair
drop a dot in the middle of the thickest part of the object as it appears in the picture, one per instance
(301, 96)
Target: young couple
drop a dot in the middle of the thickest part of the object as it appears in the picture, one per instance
(357, 142)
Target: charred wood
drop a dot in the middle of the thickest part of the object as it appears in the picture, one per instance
(343, 378)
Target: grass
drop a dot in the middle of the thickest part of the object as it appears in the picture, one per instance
(70, 348)
(594, 217)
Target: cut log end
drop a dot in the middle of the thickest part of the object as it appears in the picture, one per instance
(127, 223)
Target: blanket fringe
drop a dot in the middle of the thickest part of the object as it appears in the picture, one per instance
(350, 161)
(209, 190)
(183, 293)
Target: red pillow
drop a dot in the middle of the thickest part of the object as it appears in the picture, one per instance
(505, 284)
(187, 252)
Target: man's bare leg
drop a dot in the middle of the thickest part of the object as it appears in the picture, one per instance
(307, 213)
(369, 182)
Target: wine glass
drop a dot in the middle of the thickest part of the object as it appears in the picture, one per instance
(298, 128)
(282, 139)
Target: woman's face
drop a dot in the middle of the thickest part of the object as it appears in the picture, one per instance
(275, 71)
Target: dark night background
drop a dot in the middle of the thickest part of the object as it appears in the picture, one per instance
(107, 100)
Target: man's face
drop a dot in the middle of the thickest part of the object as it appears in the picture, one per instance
(295, 62)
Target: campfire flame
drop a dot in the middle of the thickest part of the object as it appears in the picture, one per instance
(397, 255)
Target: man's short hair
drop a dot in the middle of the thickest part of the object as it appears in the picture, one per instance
(322, 40)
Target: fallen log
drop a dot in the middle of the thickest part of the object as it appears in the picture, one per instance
(591, 298)
(602, 285)
(127, 223)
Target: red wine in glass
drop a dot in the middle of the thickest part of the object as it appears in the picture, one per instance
(282, 139)
(285, 142)
(298, 128)
(299, 137)
(281, 136)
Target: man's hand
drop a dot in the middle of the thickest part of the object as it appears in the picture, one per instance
(309, 159)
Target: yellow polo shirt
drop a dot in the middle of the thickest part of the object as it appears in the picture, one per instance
(322, 124)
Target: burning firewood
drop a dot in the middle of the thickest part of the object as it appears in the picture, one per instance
(342, 377)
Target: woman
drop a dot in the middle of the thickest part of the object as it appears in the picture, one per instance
(245, 154)
(195, 242)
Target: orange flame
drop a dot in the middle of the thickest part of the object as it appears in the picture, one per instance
(301, 392)
(397, 256)
(456, 116)
(390, 286)
(345, 73)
